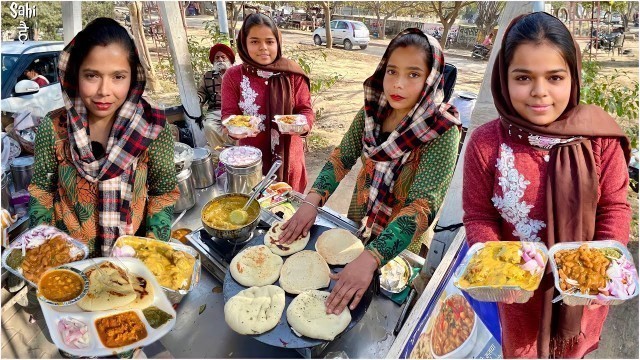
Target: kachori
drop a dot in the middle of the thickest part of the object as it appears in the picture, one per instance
(256, 266)
(255, 310)
(109, 288)
(339, 246)
(307, 315)
(272, 240)
(305, 270)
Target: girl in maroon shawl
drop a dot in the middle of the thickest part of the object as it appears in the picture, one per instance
(266, 84)
(548, 169)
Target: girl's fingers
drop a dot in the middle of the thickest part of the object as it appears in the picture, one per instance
(305, 232)
(356, 299)
(345, 300)
(337, 298)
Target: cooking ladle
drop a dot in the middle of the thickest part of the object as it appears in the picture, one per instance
(240, 216)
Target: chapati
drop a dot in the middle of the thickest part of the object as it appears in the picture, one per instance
(255, 310)
(144, 292)
(256, 266)
(109, 288)
(271, 239)
(305, 270)
(339, 246)
(307, 316)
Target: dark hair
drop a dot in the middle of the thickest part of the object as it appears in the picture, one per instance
(258, 19)
(416, 40)
(100, 32)
(537, 28)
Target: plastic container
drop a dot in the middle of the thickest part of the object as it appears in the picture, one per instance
(573, 299)
(174, 296)
(504, 294)
(297, 127)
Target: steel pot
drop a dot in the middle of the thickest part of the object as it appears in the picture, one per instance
(187, 191)
(21, 172)
(202, 169)
(241, 178)
(233, 236)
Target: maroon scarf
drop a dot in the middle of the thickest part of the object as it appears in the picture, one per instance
(571, 185)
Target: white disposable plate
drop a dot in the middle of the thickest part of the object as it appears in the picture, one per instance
(583, 299)
(53, 315)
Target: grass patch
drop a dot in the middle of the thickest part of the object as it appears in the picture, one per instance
(316, 142)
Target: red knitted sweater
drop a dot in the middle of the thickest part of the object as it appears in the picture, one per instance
(504, 199)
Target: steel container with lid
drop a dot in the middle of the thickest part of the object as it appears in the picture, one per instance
(202, 168)
(21, 172)
(243, 166)
(187, 191)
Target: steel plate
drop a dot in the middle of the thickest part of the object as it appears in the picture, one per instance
(282, 335)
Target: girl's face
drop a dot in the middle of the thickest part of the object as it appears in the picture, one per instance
(262, 45)
(405, 77)
(539, 82)
(104, 80)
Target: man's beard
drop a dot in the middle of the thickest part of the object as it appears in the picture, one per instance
(221, 66)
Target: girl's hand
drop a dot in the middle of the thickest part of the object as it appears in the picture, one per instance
(305, 130)
(352, 283)
(300, 223)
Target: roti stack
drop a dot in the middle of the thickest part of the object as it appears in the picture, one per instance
(109, 287)
(307, 316)
(271, 239)
(303, 271)
(256, 266)
(255, 310)
(339, 246)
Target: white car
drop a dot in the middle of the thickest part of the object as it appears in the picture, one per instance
(345, 32)
(18, 92)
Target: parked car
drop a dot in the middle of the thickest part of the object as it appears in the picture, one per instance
(20, 93)
(345, 32)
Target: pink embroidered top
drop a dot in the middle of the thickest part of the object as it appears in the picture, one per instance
(244, 93)
(504, 199)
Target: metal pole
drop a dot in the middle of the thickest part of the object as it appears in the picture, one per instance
(222, 17)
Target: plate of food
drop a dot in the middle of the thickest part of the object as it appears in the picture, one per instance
(123, 308)
(593, 272)
(176, 266)
(455, 329)
(242, 124)
(291, 123)
(502, 271)
(40, 249)
(274, 292)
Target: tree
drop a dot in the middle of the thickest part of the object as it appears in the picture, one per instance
(488, 14)
(326, 5)
(233, 11)
(386, 9)
(92, 10)
(447, 12)
(137, 30)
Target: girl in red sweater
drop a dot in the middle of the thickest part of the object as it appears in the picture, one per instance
(266, 84)
(548, 169)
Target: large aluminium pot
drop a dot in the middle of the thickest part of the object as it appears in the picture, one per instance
(237, 236)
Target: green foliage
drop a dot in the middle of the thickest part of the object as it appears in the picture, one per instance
(92, 10)
(610, 93)
(320, 84)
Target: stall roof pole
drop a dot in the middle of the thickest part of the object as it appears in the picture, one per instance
(222, 17)
(177, 38)
(71, 19)
(483, 112)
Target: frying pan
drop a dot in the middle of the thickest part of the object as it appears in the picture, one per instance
(282, 335)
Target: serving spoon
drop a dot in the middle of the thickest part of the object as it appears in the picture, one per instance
(240, 216)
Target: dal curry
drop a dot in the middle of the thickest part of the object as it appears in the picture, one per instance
(216, 213)
(61, 285)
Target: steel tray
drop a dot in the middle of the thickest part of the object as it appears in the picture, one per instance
(583, 299)
(504, 294)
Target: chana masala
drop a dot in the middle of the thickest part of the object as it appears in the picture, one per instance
(60, 285)
(121, 329)
(453, 325)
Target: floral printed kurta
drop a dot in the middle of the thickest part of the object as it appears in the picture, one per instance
(417, 193)
(62, 198)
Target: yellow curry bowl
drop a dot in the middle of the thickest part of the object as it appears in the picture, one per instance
(62, 286)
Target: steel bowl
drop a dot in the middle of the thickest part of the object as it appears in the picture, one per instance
(236, 236)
